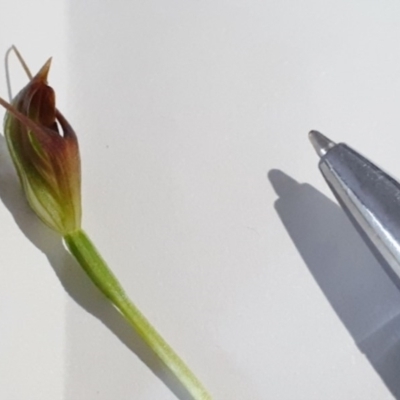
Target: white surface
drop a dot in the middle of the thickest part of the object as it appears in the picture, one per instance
(182, 109)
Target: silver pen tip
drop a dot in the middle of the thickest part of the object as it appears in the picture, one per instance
(320, 142)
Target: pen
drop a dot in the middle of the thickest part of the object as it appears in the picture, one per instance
(369, 196)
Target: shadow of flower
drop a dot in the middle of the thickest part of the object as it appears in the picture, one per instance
(74, 280)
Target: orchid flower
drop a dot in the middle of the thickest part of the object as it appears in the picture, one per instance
(44, 149)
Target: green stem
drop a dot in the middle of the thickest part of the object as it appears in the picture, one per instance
(91, 261)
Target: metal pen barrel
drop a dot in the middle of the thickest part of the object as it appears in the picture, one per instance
(370, 197)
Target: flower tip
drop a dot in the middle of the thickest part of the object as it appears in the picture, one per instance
(44, 71)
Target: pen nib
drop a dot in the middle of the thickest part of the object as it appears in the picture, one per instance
(320, 142)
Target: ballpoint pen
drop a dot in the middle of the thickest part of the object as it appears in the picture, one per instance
(369, 196)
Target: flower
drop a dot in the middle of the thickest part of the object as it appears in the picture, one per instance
(45, 152)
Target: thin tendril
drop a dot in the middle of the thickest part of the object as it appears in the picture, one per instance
(7, 69)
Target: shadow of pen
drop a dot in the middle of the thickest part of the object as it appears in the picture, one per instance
(353, 281)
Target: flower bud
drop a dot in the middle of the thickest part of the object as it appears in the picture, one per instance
(45, 152)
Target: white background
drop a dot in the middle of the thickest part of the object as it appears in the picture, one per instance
(201, 190)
